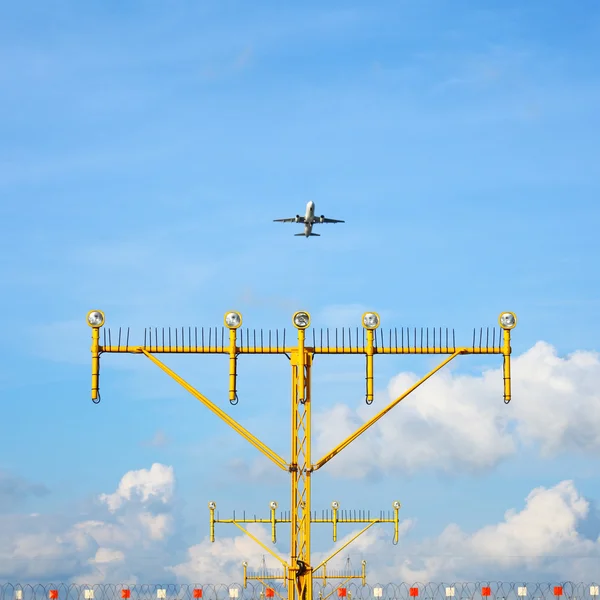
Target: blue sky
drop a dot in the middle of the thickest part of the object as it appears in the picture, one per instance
(145, 150)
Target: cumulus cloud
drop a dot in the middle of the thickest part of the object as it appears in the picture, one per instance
(221, 560)
(458, 422)
(155, 484)
(125, 541)
(543, 540)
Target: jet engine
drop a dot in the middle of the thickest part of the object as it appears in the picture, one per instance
(322, 218)
(298, 218)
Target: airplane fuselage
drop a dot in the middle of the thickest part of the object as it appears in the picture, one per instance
(308, 218)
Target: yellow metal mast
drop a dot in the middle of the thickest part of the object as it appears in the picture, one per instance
(298, 572)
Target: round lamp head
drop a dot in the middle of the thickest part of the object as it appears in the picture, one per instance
(301, 319)
(233, 319)
(507, 320)
(95, 318)
(370, 320)
(212, 505)
(273, 505)
(396, 504)
(335, 505)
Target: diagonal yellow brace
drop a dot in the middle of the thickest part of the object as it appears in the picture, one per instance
(280, 462)
(346, 544)
(337, 588)
(266, 585)
(263, 546)
(383, 412)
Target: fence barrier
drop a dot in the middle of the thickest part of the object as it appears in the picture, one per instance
(350, 590)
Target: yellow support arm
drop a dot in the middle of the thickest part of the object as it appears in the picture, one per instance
(380, 414)
(270, 454)
(263, 546)
(301, 389)
(506, 350)
(95, 364)
(233, 399)
(370, 351)
(324, 562)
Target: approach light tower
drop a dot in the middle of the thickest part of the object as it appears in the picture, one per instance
(298, 572)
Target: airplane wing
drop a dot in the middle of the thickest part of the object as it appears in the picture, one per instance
(291, 220)
(325, 220)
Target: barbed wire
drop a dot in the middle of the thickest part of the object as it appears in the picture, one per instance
(270, 589)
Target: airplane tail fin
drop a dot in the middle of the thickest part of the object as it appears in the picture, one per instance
(310, 234)
(317, 234)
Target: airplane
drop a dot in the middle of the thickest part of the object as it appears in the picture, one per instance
(309, 220)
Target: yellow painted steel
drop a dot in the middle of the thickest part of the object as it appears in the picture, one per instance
(212, 524)
(280, 462)
(232, 366)
(263, 546)
(289, 349)
(335, 522)
(298, 573)
(346, 580)
(380, 414)
(347, 543)
(506, 350)
(95, 363)
(273, 526)
(370, 352)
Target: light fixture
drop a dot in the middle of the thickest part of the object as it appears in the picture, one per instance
(244, 564)
(212, 505)
(233, 319)
(335, 505)
(95, 318)
(507, 320)
(301, 319)
(370, 320)
(273, 505)
(396, 504)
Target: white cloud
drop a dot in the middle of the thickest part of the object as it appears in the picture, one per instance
(106, 555)
(126, 538)
(459, 422)
(543, 540)
(221, 560)
(156, 483)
